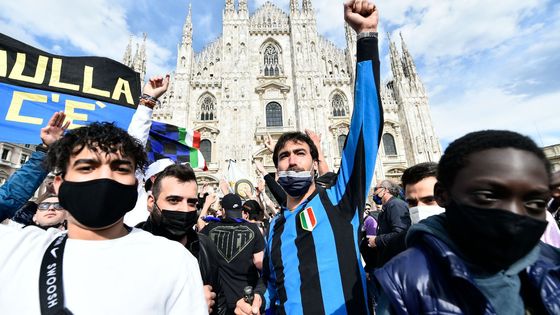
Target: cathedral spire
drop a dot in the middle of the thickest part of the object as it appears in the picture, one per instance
(187, 29)
(408, 62)
(294, 6)
(350, 35)
(396, 65)
(243, 8)
(307, 6)
(230, 7)
(127, 58)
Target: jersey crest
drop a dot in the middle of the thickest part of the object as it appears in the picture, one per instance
(308, 219)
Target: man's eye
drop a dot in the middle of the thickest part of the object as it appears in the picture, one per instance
(537, 204)
(485, 195)
(429, 200)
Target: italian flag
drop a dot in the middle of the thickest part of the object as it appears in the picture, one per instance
(308, 219)
(178, 144)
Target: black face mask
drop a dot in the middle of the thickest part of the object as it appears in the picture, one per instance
(492, 238)
(174, 225)
(97, 203)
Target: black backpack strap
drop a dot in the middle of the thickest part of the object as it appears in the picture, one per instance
(51, 292)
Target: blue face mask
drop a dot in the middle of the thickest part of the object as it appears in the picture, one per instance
(377, 200)
(295, 183)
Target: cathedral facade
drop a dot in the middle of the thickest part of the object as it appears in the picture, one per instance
(271, 72)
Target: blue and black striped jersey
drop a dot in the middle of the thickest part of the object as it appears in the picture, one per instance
(312, 261)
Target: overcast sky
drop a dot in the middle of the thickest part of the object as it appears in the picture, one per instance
(485, 64)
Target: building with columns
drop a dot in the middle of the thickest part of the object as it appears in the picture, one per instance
(271, 72)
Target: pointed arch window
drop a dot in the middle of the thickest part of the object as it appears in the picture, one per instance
(339, 107)
(271, 61)
(206, 150)
(341, 142)
(207, 108)
(273, 115)
(389, 144)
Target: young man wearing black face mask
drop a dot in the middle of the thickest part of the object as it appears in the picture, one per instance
(172, 205)
(100, 265)
(483, 255)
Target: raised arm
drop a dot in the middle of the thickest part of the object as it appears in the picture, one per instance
(360, 152)
(21, 186)
(142, 119)
(316, 138)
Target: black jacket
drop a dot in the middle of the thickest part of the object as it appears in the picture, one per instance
(204, 250)
(393, 223)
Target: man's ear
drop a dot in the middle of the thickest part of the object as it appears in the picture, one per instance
(441, 195)
(57, 181)
(151, 201)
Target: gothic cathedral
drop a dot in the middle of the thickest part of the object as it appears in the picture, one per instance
(271, 72)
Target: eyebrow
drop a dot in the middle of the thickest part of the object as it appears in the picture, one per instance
(120, 162)
(174, 197)
(86, 161)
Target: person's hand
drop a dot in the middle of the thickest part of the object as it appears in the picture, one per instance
(260, 167)
(269, 143)
(371, 241)
(224, 186)
(244, 308)
(54, 129)
(361, 15)
(210, 297)
(315, 137)
(261, 186)
(156, 86)
(210, 200)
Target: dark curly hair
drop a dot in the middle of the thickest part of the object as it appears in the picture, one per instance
(103, 136)
(418, 172)
(295, 136)
(456, 155)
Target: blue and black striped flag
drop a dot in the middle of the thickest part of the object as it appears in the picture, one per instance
(179, 144)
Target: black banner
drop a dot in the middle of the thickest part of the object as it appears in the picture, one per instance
(95, 78)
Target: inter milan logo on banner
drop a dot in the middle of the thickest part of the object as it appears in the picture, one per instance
(34, 84)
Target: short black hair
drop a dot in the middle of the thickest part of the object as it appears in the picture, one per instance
(97, 136)
(456, 155)
(294, 136)
(253, 208)
(183, 173)
(418, 172)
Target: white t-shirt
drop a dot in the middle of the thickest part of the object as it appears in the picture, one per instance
(135, 274)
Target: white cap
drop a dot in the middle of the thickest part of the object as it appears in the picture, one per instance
(157, 167)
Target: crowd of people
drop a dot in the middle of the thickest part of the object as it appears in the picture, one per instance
(473, 234)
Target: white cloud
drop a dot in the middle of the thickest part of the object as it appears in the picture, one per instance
(94, 27)
(456, 28)
(492, 108)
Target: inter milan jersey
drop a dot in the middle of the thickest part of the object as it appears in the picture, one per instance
(312, 261)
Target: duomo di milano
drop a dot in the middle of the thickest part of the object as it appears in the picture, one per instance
(272, 72)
